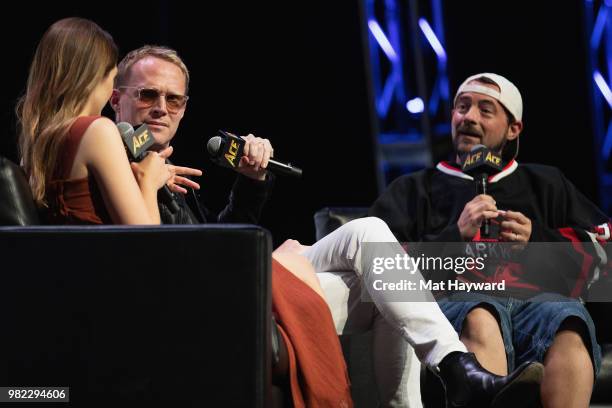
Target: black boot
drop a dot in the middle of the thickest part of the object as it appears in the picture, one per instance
(468, 384)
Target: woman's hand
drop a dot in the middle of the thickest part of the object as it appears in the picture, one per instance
(152, 171)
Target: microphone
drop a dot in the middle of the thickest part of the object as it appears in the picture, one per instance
(137, 143)
(481, 163)
(227, 150)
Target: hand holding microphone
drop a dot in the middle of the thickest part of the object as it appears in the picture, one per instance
(257, 153)
(250, 156)
(152, 169)
(480, 163)
(475, 215)
(137, 142)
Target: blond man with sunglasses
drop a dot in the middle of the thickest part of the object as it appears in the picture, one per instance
(151, 87)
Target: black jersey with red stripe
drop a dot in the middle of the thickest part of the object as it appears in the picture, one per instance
(425, 206)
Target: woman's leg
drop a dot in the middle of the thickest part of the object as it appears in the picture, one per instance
(301, 267)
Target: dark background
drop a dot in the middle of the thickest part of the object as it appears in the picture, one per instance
(294, 72)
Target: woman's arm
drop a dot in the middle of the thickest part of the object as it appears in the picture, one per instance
(127, 200)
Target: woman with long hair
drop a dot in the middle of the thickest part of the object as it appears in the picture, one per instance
(74, 158)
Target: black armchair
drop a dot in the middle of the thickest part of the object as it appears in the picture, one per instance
(16, 203)
(122, 317)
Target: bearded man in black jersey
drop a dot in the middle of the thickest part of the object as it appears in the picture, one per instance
(528, 203)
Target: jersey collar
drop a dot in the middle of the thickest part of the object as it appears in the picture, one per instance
(453, 169)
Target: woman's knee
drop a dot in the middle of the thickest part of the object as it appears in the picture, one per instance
(301, 267)
(293, 260)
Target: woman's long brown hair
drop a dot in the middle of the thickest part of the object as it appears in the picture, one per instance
(72, 58)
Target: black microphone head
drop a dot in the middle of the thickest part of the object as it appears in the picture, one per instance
(465, 155)
(481, 160)
(214, 146)
(125, 129)
(477, 147)
(136, 142)
(226, 150)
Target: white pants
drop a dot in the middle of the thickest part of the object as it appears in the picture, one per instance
(400, 329)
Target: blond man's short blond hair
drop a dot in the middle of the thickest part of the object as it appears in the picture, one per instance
(157, 51)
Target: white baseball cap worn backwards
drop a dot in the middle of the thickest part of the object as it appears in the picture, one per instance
(508, 94)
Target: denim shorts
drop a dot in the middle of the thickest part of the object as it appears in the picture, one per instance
(528, 326)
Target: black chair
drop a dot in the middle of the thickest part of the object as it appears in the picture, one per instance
(357, 349)
(134, 315)
(16, 203)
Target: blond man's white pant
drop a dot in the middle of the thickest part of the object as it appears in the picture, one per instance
(400, 329)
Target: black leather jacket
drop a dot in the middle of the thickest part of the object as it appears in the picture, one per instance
(245, 204)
